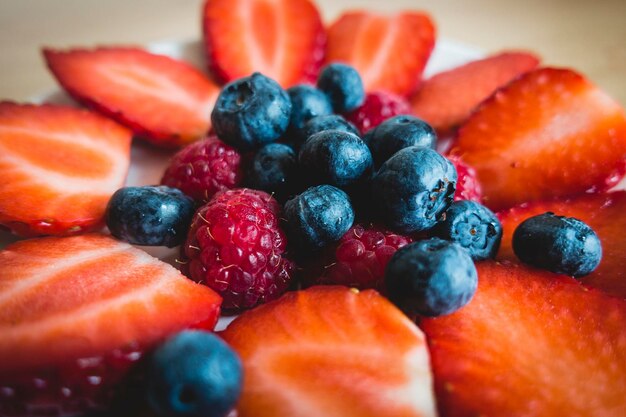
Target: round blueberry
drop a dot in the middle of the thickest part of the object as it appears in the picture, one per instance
(431, 277)
(149, 215)
(251, 111)
(335, 157)
(317, 217)
(274, 169)
(559, 244)
(343, 85)
(194, 374)
(413, 188)
(307, 102)
(473, 226)
(397, 133)
(328, 122)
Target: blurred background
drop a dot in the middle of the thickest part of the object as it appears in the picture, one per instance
(587, 35)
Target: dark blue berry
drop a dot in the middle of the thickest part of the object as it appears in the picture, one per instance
(251, 112)
(317, 217)
(336, 158)
(329, 122)
(559, 244)
(431, 277)
(343, 85)
(397, 133)
(274, 169)
(307, 102)
(194, 374)
(413, 188)
(473, 226)
(152, 216)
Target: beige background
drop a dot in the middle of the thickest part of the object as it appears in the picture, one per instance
(587, 35)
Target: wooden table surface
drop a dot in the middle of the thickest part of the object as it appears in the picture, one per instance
(583, 34)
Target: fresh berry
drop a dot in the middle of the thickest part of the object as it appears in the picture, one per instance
(203, 168)
(389, 51)
(467, 185)
(194, 374)
(165, 101)
(235, 246)
(283, 39)
(560, 244)
(307, 102)
(59, 167)
(604, 213)
(337, 158)
(343, 86)
(413, 189)
(274, 169)
(377, 107)
(449, 97)
(431, 278)
(357, 260)
(321, 123)
(397, 133)
(472, 226)
(251, 112)
(152, 216)
(550, 133)
(77, 314)
(331, 351)
(317, 217)
(530, 343)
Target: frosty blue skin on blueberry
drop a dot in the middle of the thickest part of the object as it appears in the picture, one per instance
(317, 217)
(251, 112)
(431, 278)
(307, 102)
(274, 169)
(150, 215)
(397, 133)
(413, 188)
(559, 244)
(336, 158)
(343, 85)
(472, 226)
(194, 374)
(328, 122)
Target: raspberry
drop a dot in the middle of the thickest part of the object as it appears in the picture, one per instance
(359, 258)
(236, 247)
(377, 107)
(467, 186)
(203, 168)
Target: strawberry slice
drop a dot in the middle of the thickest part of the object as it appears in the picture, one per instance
(550, 133)
(58, 168)
(76, 313)
(331, 351)
(530, 343)
(389, 51)
(283, 39)
(165, 101)
(448, 98)
(604, 213)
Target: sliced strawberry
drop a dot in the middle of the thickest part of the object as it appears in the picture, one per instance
(165, 101)
(58, 168)
(604, 213)
(448, 98)
(283, 39)
(76, 313)
(331, 351)
(550, 133)
(530, 343)
(389, 51)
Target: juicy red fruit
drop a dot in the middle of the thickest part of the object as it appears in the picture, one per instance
(467, 187)
(377, 107)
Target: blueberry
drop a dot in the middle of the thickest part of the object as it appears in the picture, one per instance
(194, 374)
(431, 277)
(559, 244)
(397, 133)
(151, 216)
(328, 122)
(413, 188)
(274, 168)
(343, 85)
(317, 217)
(251, 111)
(473, 226)
(307, 102)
